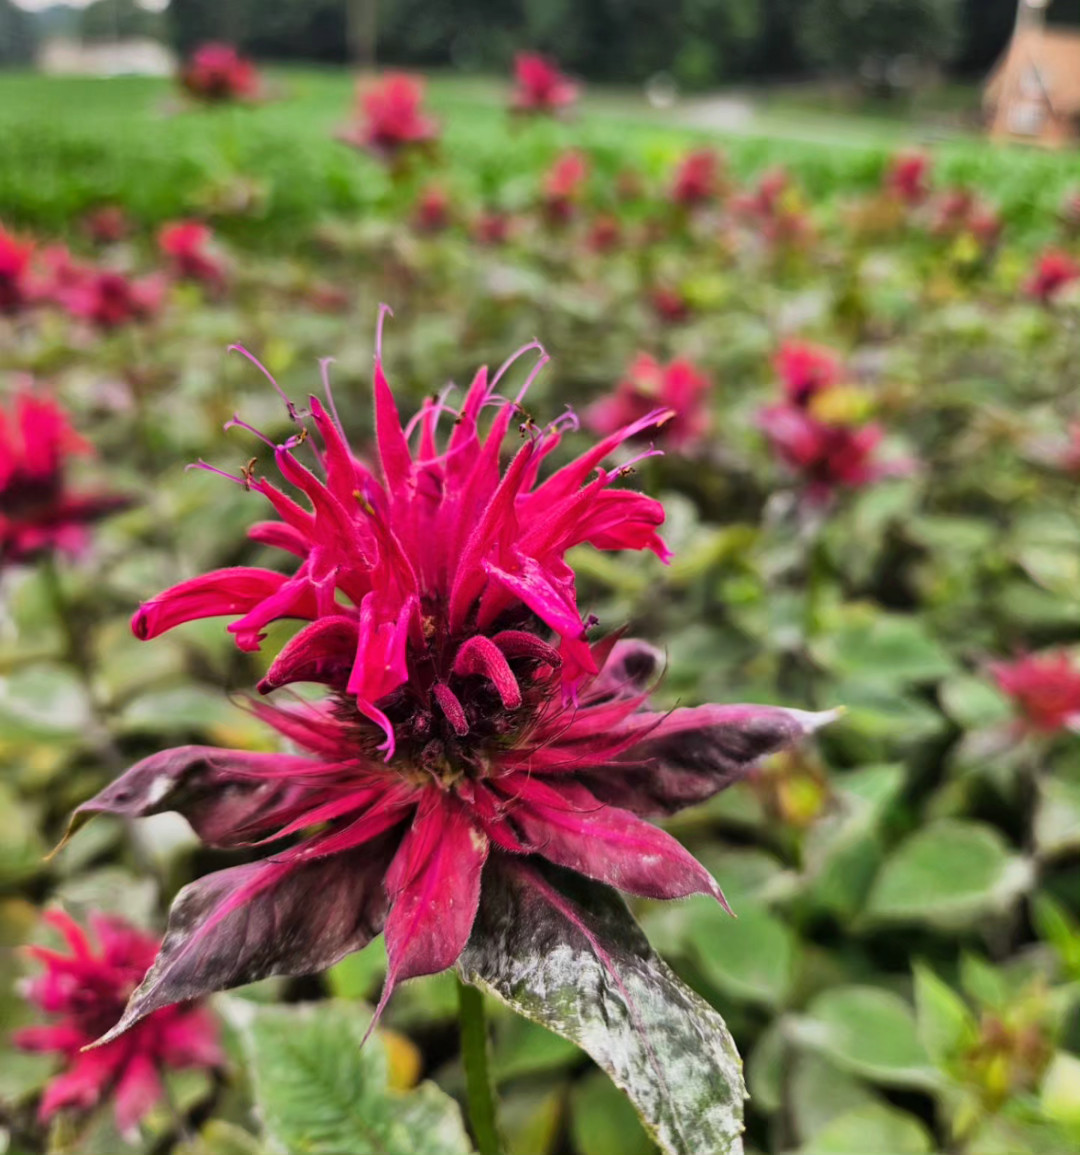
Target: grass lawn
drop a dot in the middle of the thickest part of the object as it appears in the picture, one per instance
(70, 143)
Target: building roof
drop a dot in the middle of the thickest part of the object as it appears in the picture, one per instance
(1053, 54)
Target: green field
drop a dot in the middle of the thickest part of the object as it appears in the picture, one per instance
(70, 144)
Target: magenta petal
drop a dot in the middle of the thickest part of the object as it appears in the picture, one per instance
(138, 1090)
(689, 755)
(480, 655)
(224, 591)
(261, 919)
(83, 1084)
(632, 667)
(322, 652)
(434, 888)
(230, 797)
(569, 827)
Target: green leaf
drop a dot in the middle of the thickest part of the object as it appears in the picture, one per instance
(945, 1022)
(565, 952)
(1060, 1094)
(874, 1128)
(973, 703)
(602, 1121)
(819, 1092)
(1057, 815)
(319, 1093)
(869, 1032)
(951, 874)
(891, 649)
(750, 958)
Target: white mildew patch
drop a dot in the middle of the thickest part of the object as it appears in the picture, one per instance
(665, 1047)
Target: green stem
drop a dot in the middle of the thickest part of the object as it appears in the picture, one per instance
(479, 1093)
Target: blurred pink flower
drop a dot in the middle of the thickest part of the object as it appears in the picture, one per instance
(15, 258)
(807, 370)
(85, 991)
(697, 179)
(1054, 271)
(564, 185)
(1045, 689)
(38, 513)
(218, 73)
(907, 177)
(539, 86)
(188, 247)
(390, 118)
(679, 388)
(432, 212)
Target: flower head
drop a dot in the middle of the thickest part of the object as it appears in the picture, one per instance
(106, 224)
(106, 298)
(469, 723)
(807, 370)
(390, 117)
(1045, 689)
(38, 513)
(218, 73)
(679, 389)
(1054, 270)
(187, 245)
(605, 233)
(539, 86)
(564, 185)
(492, 227)
(84, 991)
(907, 177)
(697, 179)
(670, 304)
(432, 212)
(14, 268)
(827, 444)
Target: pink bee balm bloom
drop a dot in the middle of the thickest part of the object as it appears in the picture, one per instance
(826, 456)
(605, 233)
(539, 86)
(678, 387)
(187, 245)
(218, 73)
(670, 304)
(38, 513)
(470, 727)
(390, 117)
(14, 268)
(85, 991)
(108, 299)
(697, 179)
(492, 227)
(107, 224)
(432, 213)
(807, 370)
(564, 185)
(1054, 270)
(907, 177)
(1045, 689)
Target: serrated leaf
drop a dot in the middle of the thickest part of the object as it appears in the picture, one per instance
(950, 874)
(564, 951)
(319, 1093)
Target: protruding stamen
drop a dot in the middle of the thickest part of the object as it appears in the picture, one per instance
(452, 708)
(384, 312)
(324, 373)
(293, 412)
(512, 360)
(235, 422)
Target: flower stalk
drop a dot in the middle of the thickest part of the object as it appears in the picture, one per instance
(479, 1092)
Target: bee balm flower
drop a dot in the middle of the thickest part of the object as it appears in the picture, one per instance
(84, 991)
(218, 73)
(470, 726)
(390, 118)
(38, 513)
(679, 388)
(1045, 689)
(187, 245)
(1054, 270)
(14, 267)
(539, 86)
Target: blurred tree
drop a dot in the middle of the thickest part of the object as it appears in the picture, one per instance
(118, 20)
(872, 38)
(985, 28)
(18, 42)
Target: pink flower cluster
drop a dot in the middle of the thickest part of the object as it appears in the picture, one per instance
(679, 389)
(1045, 689)
(539, 86)
(390, 120)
